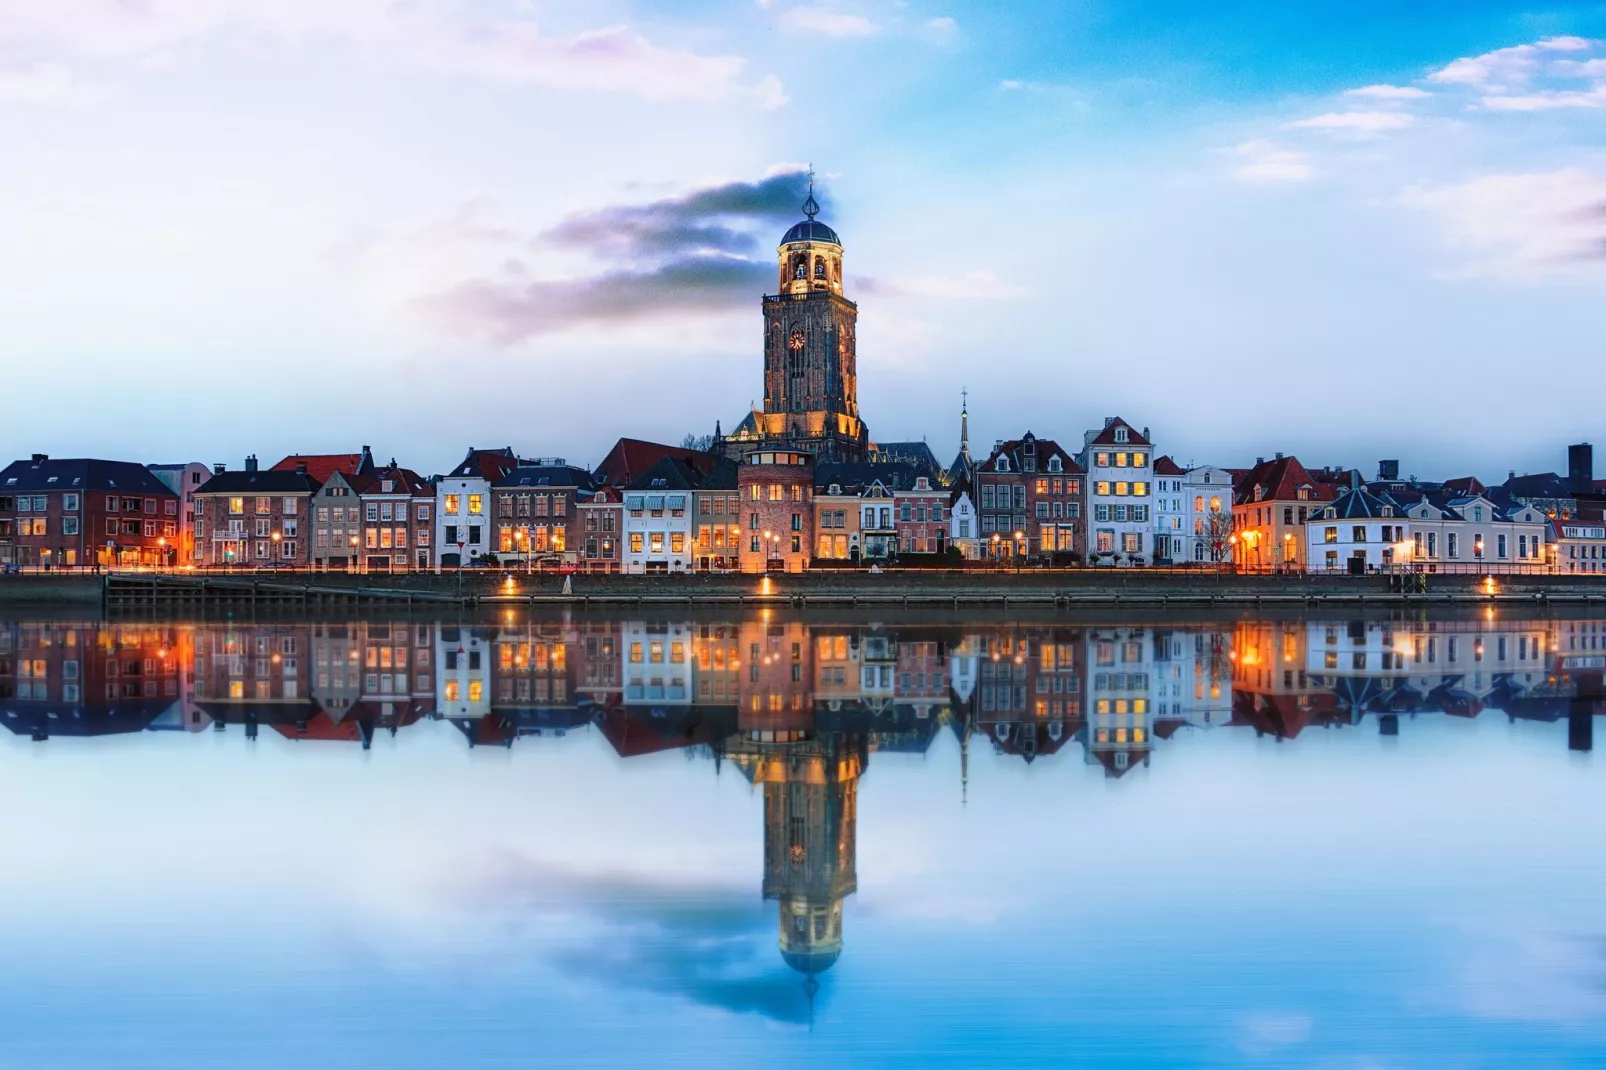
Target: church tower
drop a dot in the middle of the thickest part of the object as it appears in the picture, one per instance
(811, 379)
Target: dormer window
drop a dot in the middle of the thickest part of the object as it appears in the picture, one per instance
(1003, 464)
(922, 483)
(1330, 514)
(836, 488)
(1304, 494)
(1388, 510)
(1054, 464)
(1120, 434)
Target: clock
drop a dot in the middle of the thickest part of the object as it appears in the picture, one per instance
(796, 341)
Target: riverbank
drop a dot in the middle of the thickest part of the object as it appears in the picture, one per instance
(956, 589)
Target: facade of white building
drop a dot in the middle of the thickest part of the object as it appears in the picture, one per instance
(1476, 534)
(463, 507)
(1170, 515)
(658, 521)
(1207, 517)
(1357, 531)
(963, 525)
(1120, 494)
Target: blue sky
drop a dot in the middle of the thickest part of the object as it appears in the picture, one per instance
(1342, 230)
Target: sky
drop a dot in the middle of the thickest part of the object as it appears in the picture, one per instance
(1343, 231)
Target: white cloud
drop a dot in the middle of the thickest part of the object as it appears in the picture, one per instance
(1389, 92)
(1267, 161)
(971, 286)
(1506, 67)
(1522, 226)
(1357, 123)
(1011, 85)
(1549, 101)
(829, 22)
(437, 35)
(1262, 1033)
(943, 28)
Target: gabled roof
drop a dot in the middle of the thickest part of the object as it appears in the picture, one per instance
(916, 453)
(246, 481)
(1542, 485)
(1464, 485)
(1165, 466)
(1358, 504)
(723, 476)
(1037, 450)
(670, 473)
(631, 457)
(321, 466)
(80, 474)
(407, 481)
(532, 475)
(1106, 437)
(487, 464)
(858, 476)
(1281, 479)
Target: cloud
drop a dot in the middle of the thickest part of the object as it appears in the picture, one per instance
(1266, 161)
(1505, 67)
(1532, 976)
(434, 35)
(1357, 123)
(1521, 226)
(943, 29)
(711, 945)
(829, 22)
(36, 82)
(1263, 1033)
(971, 286)
(1389, 92)
(700, 253)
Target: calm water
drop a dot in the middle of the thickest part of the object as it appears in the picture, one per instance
(780, 842)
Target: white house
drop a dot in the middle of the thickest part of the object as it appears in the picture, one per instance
(463, 506)
(657, 664)
(1357, 531)
(463, 674)
(963, 526)
(1207, 516)
(1120, 493)
(1475, 533)
(1170, 516)
(658, 525)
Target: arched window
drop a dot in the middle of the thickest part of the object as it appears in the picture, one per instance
(800, 268)
(819, 268)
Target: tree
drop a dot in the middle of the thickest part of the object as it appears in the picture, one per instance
(1217, 535)
(697, 442)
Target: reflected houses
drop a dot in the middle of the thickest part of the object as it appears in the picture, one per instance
(87, 680)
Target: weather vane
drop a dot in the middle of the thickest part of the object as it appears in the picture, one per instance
(811, 207)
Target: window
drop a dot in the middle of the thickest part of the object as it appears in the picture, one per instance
(69, 525)
(635, 542)
(1140, 489)
(264, 506)
(1101, 488)
(451, 505)
(1330, 534)
(236, 505)
(69, 503)
(1452, 546)
(677, 542)
(1358, 533)
(476, 504)
(371, 513)
(1120, 434)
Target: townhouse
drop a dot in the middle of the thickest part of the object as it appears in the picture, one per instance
(1207, 516)
(1120, 496)
(537, 512)
(1475, 533)
(1171, 542)
(718, 523)
(73, 512)
(776, 491)
(1029, 501)
(1356, 532)
(921, 517)
(254, 517)
(184, 480)
(601, 521)
(658, 527)
(463, 510)
(1270, 504)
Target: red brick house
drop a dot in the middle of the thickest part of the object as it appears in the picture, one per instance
(1029, 494)
(254, 518)
(81, 511)
(601, 521)
(775, 492)
(535, 511)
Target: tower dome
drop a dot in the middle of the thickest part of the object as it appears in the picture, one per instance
(810, 253)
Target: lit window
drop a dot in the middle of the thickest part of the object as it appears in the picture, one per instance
(476, 504)
(236, 506)
(451, 505)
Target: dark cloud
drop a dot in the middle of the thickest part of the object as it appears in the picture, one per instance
(711, 945)
(704, 252)
(508, 312)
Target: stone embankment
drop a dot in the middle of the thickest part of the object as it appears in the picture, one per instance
(915, 587)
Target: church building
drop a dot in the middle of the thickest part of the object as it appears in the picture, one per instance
(811, 395)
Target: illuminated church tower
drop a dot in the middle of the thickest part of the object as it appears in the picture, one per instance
(811, 379)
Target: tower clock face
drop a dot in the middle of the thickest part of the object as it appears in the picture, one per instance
(796, 341)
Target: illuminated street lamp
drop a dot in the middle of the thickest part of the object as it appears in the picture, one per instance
(161, 552)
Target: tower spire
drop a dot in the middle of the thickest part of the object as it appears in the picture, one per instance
(964, 425)
(811, 207)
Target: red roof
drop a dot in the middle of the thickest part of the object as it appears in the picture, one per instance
(1280, 480)
(1165, 466)
(1043, 449)
(321, 466)
(1467, 485)
(488, 464)
(406, 481)
(1106, 437)
(631, 457)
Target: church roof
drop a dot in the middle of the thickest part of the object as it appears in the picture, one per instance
(811, 230)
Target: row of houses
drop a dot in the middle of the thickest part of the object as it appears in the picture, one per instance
(1114, 501)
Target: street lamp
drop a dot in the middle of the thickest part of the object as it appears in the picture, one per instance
(276, 536)
(351, 565)
(161, 550)
(1020, 548)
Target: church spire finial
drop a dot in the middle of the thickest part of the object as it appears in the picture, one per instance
(811, 207)
(964, 423)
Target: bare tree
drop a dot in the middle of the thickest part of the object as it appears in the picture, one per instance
(697, 442)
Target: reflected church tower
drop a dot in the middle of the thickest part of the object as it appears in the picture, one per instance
(811, 811)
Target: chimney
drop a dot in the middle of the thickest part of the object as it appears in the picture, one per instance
(301, 468)
(1108, 420)
(219, 468)
(1511, 474)
(367, 458)
(1581, 466)
(1146, 435)
(40, 458)
(1259, 461)
(1279, 455)
(251, 463)
(1388, 471)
